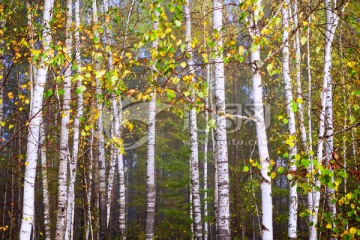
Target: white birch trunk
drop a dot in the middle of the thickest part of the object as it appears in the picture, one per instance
(33, 131)
(311, 194)
(293, 198)
(150, 170)
(150, 161)
(122, 189)
(213, 141)
(76, 137)
(64, 135)
(191, 206)
(298, 81)
(45, 183)
(205, 170)
(266, 192)
(223, 211)
(331, 25)
(325, 111)
(194, 151)
(101, 140)
(115, 131)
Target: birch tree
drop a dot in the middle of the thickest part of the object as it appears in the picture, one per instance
(325, 115)
(332, 20)
(76, 137)
(223, 210)
(115, 119)
(299, 91)
(64, 134)
(266, 192)
(194, 155)
(34, 129)
(100, 136)
(45, 183)
(311, 193)
(205, 166)
(150, 161)
(293, 203)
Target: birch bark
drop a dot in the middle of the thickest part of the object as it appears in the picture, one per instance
(299, 101)
(194, 154)
(293, 198)
(45, 183)
(64, 134)
(150, 161)
(116, 123)
(205, 171)
(311, 194)
(101, 140)
(266, 192)
(34, 130)
(223, 211)
(331, 24)
(325, 113)
(76, 137)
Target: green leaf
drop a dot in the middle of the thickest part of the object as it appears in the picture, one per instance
(171, 94)
(80, 89)
(269, 67)
(352, 119)
(281, 170)
(293, 106)
(246, 168)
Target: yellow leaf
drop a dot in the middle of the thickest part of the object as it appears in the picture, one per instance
(10, 95)
(183, 64)
(27, 101)
(2, 123)
(351, 64)
(241, 50)
(328, 226)
(99, 74)
(348, 196)
(26, 163)
(273, 175)
(352, 230)
(129, 55)
(11, 126)
(130, 126)
(126, 72)
(299, 100)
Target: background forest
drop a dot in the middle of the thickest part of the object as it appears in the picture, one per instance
(175, 119)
